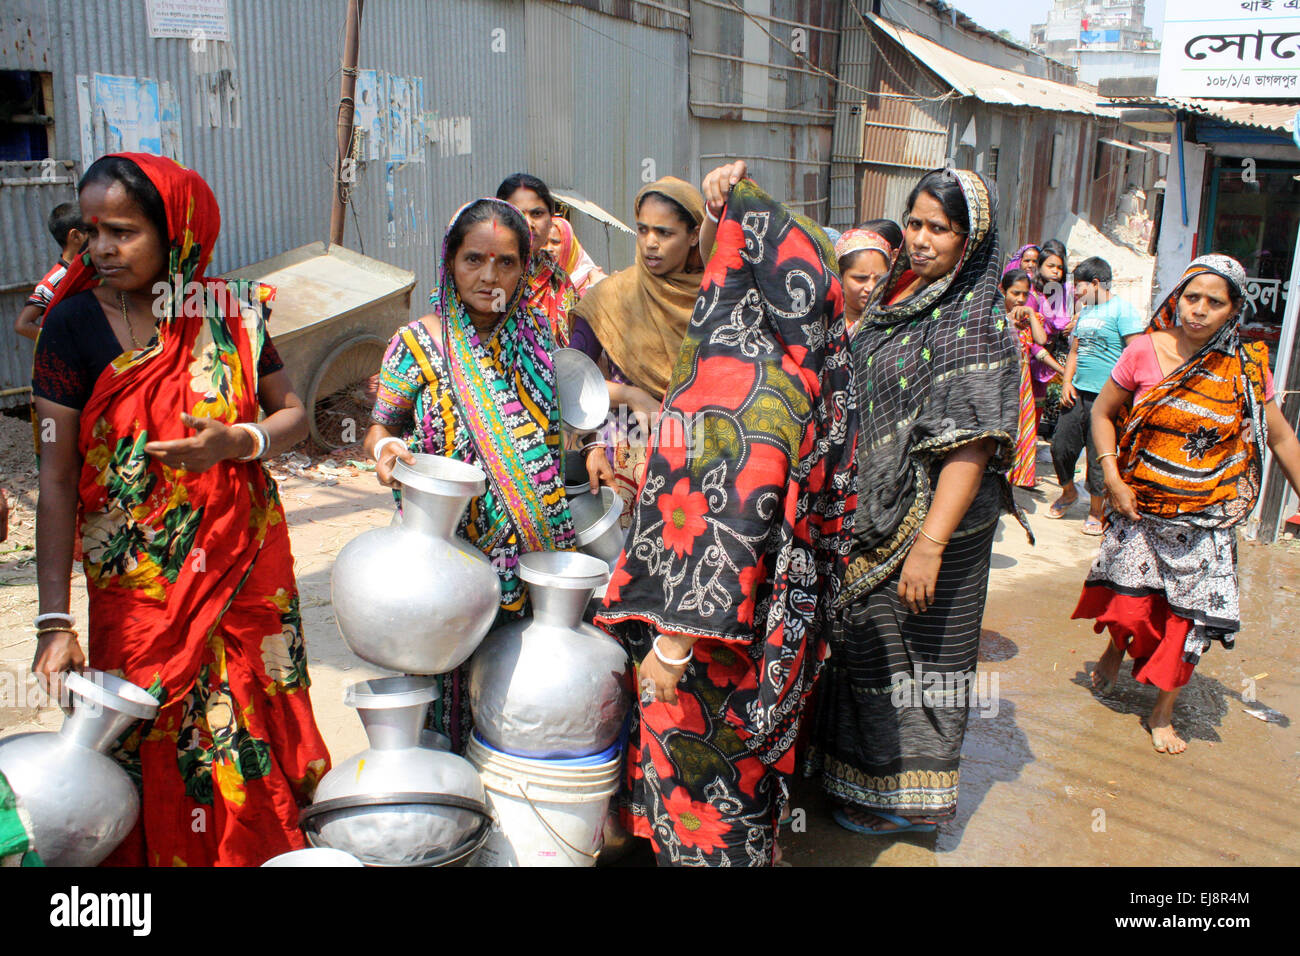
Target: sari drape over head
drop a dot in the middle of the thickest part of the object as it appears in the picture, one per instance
(1015, 262)
(573, 258)
(640, 318)
(552, 293)
(191, 584)
(739, 533)
(933, 372)
(1192, 450)
(855, 240)
(1181, 448)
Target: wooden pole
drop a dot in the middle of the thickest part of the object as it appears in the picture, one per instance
(344, 172)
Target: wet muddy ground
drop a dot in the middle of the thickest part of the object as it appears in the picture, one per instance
(1051, 775)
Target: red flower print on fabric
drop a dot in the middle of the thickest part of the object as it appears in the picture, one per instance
(696, 824)
(619, 578)
(750, 578)
(683, 514)
(727, 243)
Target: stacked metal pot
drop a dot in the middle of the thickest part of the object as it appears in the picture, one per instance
(413, 598)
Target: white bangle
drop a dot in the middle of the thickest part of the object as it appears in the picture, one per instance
(383, 443)
(260, 440)
(55, 616)
(669, 661)
(709, 212)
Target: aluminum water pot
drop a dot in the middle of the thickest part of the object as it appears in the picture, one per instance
(80, 802)
(549, 685)
(398, 803)
(412, 597)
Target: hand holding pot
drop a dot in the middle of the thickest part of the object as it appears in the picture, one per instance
(56, 653)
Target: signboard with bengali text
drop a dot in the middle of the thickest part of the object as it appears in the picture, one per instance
(1231, 49)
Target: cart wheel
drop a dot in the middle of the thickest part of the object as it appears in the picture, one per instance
(342, 392)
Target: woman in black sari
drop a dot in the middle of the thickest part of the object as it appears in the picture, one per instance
(937, 379)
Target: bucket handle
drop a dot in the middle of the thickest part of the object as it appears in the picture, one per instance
(523, 792)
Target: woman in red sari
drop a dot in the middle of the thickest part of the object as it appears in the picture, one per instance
(148, 394)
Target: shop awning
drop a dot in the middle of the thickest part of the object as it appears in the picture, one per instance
(991, 84)
(582, 204)
(1114, 142)
(1269, 116)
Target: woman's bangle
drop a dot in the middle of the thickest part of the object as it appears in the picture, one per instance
(709, 212)
(55, 616)
(942, 544)
(671, 661)
(260, 440)
(1108, 454)
(383, 443)
(592, 445)
(42, 631)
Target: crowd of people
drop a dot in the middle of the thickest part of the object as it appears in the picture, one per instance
(862, 404)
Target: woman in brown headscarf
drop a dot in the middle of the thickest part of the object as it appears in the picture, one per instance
(633, 323)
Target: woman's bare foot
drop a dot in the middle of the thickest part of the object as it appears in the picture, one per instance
(1107, 669)
(1163, 736)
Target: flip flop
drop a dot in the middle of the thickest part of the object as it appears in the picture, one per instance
(1092, 527)
(902, 824)
(1057, 511)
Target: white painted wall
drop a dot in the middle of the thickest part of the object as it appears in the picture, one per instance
(1177, 245)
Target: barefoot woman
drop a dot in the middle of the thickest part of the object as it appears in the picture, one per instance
(1182, 471)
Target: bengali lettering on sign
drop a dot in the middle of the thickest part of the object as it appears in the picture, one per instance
(1231, 48)
(195, 20)
(1266, 294)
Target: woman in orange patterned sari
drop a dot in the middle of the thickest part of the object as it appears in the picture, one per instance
(148, 393)
(1183, 471)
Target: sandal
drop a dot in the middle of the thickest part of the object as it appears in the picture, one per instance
(1058, 509)
(1093, 527)
(901, 824)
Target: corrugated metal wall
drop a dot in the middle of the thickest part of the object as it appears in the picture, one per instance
(576, 96)
(902, 122)
(755, 96)
(903, 127)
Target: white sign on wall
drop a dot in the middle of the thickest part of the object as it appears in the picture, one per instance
(194, 20)
(1231, 49)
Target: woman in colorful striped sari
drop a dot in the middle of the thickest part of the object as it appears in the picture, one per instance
(153, 444)
(1183, 469)
(1027, 327)
(479, 366)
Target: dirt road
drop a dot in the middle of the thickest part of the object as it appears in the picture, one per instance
(1050, 773)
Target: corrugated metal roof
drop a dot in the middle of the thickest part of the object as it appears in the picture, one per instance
(1271, 116)
(990, 83)
(1114, 142)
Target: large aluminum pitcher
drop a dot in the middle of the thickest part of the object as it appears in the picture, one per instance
(412, 597)
(549, 685)
(80, 802)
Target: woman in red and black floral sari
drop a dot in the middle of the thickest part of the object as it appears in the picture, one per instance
(148, 403)
(737, 542)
